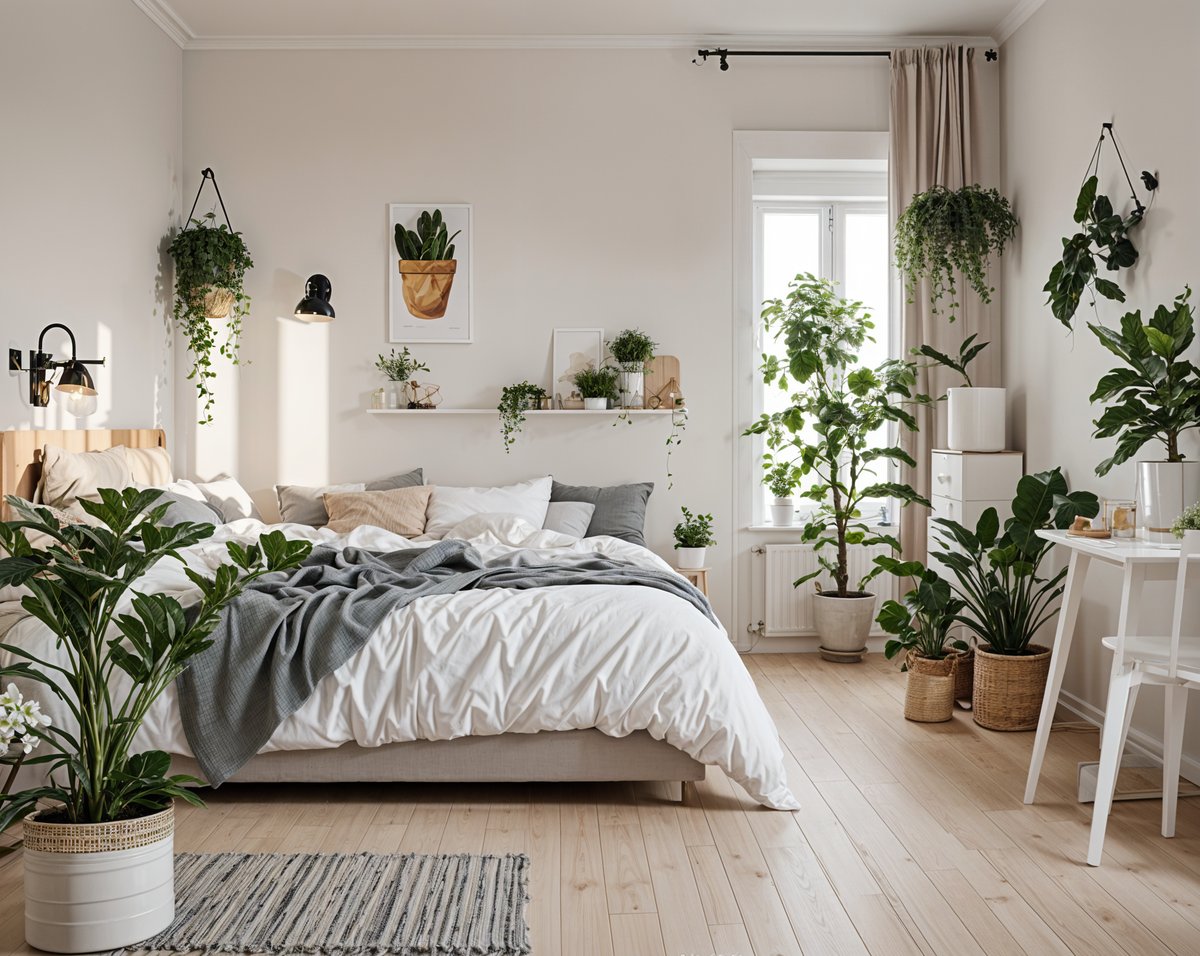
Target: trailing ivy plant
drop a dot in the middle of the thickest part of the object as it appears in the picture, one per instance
(1155, 395)
(1103, 237)
(515, 401)
(429, 241)
(209, 258)
(944, 231)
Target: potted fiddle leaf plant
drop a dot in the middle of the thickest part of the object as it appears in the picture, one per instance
(693, 538)
(211, 262)
(975, 415)
(946, 232)
(427, 265)
(515, 401)
(98, 858)
(828, 434)
(1006, 598)
(598, 386)
(631, 349)
(1154, 396)
(920, 627)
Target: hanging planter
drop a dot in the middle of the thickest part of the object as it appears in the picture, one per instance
(211, 261)
(427, 265)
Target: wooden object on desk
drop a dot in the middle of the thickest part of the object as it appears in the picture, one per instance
(698, 577)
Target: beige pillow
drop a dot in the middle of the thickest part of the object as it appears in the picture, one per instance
(150, 466)
(68, 476)
(399, 510)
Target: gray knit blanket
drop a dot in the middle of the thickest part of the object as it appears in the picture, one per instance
(287, 631)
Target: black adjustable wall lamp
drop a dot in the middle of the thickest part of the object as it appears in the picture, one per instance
(75, 379)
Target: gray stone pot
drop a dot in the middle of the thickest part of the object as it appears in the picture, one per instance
(843, 625)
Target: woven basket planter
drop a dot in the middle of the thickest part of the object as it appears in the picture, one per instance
(1009, 689)
(426, 286)
(929, 693)
(964, 675)
(217, 302)
(98, 886)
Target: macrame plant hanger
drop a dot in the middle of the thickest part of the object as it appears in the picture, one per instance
(205, 175)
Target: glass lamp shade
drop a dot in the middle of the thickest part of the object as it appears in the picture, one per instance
(315, 307)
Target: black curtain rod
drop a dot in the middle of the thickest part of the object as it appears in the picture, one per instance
(724, 54)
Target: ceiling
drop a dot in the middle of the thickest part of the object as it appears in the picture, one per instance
(263, 23)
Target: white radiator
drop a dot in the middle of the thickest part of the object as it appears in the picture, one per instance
(788, 611)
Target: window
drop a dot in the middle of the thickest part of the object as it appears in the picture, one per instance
(843, 238)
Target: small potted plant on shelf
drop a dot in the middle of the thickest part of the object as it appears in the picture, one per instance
(427, 265)
(98, 855)
(1187, 526)
(398, 368)
(1006, 600)
(631, 349)
(598, 386)
(1153, 396)
(920, 625)
(515, 401)
(693, 538)
(827, 434)
(211, 262)
(781, 479)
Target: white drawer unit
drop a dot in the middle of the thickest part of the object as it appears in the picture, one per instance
(965, 485)
(967, 513)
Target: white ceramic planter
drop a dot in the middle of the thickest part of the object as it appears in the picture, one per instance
(783, 512)
(595, 404)
(843, 625)
(82, 902)
(1165, 488)
(976, 419)
(632, 384)
(690, 558)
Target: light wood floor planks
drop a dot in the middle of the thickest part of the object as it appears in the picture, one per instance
(913, 840)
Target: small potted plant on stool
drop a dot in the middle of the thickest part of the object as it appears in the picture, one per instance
(693, 538)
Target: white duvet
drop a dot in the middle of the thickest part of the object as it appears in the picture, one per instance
(616, 658)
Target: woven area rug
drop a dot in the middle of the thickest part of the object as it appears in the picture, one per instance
(362, 903)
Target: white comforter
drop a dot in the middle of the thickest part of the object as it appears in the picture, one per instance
(618, 659)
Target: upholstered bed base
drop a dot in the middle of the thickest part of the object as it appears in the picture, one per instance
(577, 755)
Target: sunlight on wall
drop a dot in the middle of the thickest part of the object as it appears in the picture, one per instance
(303, 401)
(213, 447)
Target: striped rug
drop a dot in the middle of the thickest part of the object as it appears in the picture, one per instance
(362, 903)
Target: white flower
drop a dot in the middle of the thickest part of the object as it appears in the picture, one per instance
(28, 742)
(12, 724)
(11, 698)
(31, 713)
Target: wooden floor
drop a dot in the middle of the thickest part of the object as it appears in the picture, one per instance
(913, 839)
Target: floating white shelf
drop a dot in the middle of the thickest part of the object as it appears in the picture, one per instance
(428, 412)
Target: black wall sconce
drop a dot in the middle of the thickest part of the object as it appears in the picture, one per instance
(75, 381)
(315, 307)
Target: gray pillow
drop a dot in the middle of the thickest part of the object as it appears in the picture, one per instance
(620, 509)
(569, 517)
(302, 504)
(182, 509)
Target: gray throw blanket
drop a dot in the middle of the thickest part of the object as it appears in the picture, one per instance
(286, 632)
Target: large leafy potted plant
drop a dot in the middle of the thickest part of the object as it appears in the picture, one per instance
(920, 627)
(631, 349)
(975, 416)
(427, 265)
(98, 860)
(210, 265)
(1153, 396)
(997, 575)
(828, 434)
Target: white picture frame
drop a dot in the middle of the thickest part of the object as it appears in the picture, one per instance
(573, 349)
(455, 326)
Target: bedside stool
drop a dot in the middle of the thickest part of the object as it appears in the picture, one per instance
(698, 577)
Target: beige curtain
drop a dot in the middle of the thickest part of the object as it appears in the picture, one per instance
(935, 115)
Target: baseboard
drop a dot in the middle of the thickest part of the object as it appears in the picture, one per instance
(1141, 741)
(799, 644)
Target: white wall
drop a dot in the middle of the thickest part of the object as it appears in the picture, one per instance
(1060, 82)
(89, 178)
(601, 182)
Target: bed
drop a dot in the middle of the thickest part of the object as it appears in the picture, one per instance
(566, 684)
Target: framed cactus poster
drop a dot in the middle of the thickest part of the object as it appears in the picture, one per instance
(429, 273)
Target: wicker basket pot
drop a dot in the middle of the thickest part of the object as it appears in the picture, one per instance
(929, 694)
(98, 886)
(964, 675)
(1009, 689)
(216, 301)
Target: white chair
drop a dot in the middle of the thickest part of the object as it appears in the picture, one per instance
(1173, 662)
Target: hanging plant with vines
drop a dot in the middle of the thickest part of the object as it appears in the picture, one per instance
(211, 261)
(948, 231)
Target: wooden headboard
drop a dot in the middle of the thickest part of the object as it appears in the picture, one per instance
(21, 452)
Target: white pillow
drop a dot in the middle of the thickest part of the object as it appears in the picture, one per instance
(150, 466)
(230, 499)
(68, 476)
(569, 517)
(448, 506)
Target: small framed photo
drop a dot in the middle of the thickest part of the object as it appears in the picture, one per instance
(574, 350)
(430, 301)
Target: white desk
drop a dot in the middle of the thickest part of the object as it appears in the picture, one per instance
(1139, 562)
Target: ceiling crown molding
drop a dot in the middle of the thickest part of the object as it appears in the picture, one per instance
(167, 20)
(1011, 23)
